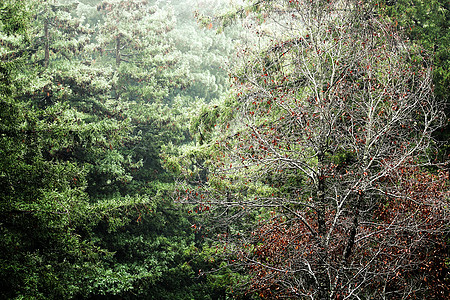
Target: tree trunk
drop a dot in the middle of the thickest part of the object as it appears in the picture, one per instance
(118, 52)
(322, 274)
(118, 60)
(47, 44)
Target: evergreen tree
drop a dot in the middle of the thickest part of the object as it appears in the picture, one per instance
(90, 95)
(427, 23)
(43, 198)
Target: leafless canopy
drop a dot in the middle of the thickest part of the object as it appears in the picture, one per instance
(334, 119)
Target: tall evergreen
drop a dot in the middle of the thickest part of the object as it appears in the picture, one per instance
(91, 93)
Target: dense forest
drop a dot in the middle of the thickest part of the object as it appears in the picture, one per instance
(214, 149)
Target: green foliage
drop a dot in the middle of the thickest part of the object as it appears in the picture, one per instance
(14, 17)
(132, 36)
(85, 197)
(203, 124)
(427, 24)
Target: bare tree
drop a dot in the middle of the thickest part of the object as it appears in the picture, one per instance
(333, 117)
